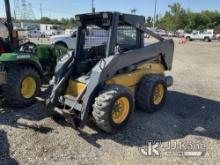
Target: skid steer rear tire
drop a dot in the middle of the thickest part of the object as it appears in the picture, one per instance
(113, 108)
(12, 90)
(151, 93)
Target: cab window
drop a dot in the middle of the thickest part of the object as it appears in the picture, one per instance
(126, 35)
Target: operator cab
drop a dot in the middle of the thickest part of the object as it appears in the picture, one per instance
(99, 37)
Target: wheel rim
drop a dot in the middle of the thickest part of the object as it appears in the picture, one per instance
(158, 94)
(121, 110)
(28, 87)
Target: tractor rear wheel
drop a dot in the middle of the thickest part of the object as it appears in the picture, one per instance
(113, 108)
(151, 93)
(22, 86)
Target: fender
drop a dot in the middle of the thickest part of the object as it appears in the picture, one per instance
(10, 59)
(60, 41)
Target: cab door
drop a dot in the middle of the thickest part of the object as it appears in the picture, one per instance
(196, 35)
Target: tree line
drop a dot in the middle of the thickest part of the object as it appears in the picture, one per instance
(174, 19)
(180, 18)
(67, 23)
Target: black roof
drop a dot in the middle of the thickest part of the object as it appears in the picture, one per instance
(124, 18)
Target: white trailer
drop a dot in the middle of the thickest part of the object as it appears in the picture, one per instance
(51, 29)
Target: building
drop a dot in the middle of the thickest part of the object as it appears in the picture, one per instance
(51, 29)
(26, 26)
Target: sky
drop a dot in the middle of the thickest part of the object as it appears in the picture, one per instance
(68, 8)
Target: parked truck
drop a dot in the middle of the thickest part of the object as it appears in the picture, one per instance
(207, 35)
(217, 36)
(93, 35)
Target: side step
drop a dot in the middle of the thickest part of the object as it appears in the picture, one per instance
(72, 102)
(68, 116)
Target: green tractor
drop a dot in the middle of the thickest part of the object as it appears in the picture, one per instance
(22, 72)
(24, 67)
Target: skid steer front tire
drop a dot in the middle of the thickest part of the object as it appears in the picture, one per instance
(113, 108)
(151, 93)
(22, 86)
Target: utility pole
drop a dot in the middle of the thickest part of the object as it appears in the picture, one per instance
(9, 20)
(155, 12)
(15, 15)
(41, 12)
(93, 7)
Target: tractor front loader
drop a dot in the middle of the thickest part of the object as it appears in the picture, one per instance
(111, 72)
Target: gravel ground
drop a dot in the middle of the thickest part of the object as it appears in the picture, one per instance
(191, 116)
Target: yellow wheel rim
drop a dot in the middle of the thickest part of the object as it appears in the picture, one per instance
(158, 94)
(28, 87)
(121, 110)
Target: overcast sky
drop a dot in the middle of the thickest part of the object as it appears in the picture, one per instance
(68, 8)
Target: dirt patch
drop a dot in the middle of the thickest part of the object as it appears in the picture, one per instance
(191, 114)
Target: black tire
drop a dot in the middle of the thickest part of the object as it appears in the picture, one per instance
(61, 44)
(12, 89)
(104, 106)
(188, 39)
(146, 91)
(207, 39)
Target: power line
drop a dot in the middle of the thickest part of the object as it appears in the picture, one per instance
(23, 10)
(45, 10)
(72, 5)
(30, 11)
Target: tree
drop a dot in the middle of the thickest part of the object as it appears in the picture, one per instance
(179, 18)
(173, 19)
(64, 22)
(45, 20)
(149, 22)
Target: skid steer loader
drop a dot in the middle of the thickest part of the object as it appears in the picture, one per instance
(110, 72)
